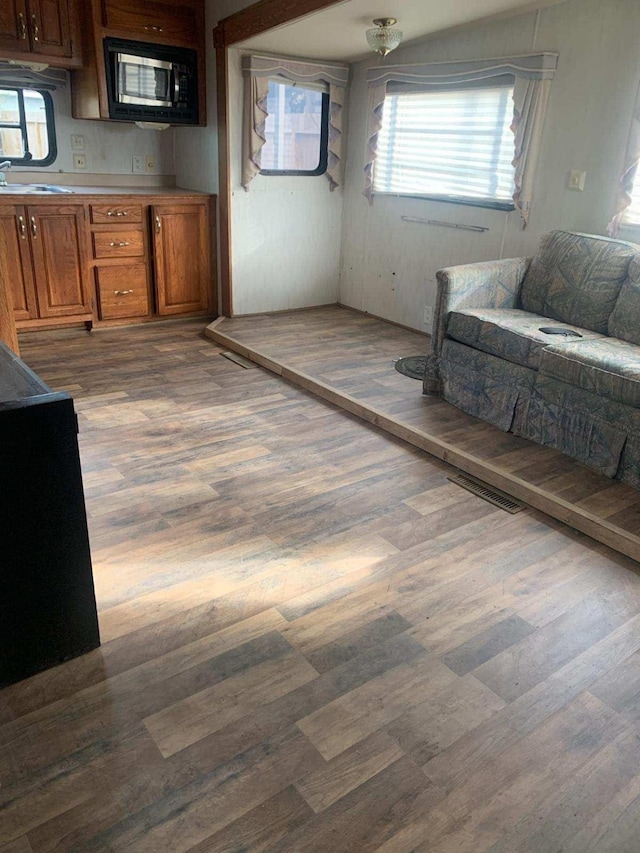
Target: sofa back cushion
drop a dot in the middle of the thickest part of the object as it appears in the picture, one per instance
(624, 322)
(576, 278)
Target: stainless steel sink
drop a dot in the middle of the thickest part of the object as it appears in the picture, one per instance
(22, 189)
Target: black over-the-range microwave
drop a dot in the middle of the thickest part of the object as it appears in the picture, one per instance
(151, 82)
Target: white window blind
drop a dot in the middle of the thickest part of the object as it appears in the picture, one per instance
(457, 144)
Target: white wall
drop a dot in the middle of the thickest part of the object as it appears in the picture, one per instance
(109, 146)
(196, 148)
(389, 265)
(286, 231)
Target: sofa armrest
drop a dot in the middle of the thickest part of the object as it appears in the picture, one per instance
(488, 284)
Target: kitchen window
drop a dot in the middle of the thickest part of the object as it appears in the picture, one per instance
(448, 144)
(27, 132)
(296, 131)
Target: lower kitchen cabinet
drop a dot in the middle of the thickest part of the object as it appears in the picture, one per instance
(46, 261)
(107, 259)
(122, 291)
(16, 260)
(181, 257)
(58, 238)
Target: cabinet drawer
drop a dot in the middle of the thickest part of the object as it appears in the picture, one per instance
(108, 214)
(122, 291)
(118, 244)
(174, 22)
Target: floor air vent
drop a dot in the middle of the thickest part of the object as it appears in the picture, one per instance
(239, 359)
(493, 496)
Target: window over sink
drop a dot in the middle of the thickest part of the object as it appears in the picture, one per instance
(27, 131)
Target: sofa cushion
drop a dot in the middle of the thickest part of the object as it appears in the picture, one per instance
(624, 321)
(607, 367)
(508, 333)
(576, 278)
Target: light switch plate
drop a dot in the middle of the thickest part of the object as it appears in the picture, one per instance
(576, 180)
(427, 317)
(79, 161)
(77, 142)
(138, 165)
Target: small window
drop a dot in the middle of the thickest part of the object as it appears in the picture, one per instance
(27, 135)
(448, 145)
(296, 130)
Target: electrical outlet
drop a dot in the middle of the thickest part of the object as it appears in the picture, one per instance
(576, 181)
(150, 163)
(79, 161)
(77, 142)
(138, 167)
(427, 317)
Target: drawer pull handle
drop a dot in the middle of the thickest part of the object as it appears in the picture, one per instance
(34, 227)
(23, 26)
(22, 227)
(158, 225)
(119, 244)
(122, 292)
(153, 28)
(36, 31)
(117, 213)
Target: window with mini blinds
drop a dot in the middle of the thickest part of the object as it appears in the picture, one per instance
(448, 144)
(27, 135)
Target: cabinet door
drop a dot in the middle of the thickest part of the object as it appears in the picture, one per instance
(181, 255)
(15, 262)
(174, 23)
(59, 246)
(49, 27)
(14, 34)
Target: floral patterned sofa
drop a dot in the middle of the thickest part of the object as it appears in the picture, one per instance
(580, 395)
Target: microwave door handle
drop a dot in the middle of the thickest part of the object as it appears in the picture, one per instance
(175, 75)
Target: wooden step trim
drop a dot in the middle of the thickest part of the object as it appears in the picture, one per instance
(580, 519)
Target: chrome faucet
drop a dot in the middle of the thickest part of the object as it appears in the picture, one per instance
(5, 165)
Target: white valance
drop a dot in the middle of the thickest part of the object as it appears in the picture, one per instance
(257, 71)
(532, 75)
(31, 75)
(629, 171)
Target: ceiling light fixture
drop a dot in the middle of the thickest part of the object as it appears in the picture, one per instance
(383, 38)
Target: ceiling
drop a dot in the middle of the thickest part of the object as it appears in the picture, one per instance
(338, 33)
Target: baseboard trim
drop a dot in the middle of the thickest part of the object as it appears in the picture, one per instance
(384, 320)
(580, 519)
(287, 310)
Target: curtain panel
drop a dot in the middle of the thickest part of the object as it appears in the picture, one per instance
(257, 71)
(532, 74)
(629, 171)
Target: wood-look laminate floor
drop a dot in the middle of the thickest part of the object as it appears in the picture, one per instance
(313, 642)
(338, 350)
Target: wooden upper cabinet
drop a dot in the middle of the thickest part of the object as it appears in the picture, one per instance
(181, 252)
(60, 250)
(50, 27)
(173, 23)
(14, 34)
(47, 29)
(16, 271)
